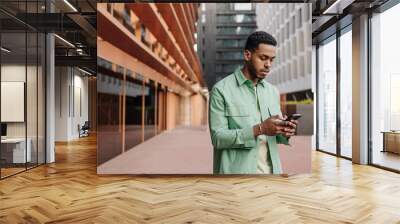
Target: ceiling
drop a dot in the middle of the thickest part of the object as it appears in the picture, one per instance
(75, 21)
(330, 15)
(76, 24)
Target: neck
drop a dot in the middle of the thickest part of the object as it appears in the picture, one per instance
(247, 74)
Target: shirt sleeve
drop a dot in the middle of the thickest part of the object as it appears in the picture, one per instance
(280, 139)
(222, 137)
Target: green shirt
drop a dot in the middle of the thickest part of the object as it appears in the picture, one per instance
(233, 112)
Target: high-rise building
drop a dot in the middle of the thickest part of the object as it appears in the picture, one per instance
(222, 32)
(290, 24)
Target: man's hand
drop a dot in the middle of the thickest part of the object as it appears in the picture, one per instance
(276, 125)
(290, 128)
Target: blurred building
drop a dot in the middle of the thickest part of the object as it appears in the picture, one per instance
(222, 33)
(149, 76)
(290, 24)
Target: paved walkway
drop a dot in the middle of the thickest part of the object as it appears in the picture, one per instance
(184, 150)
(188, 150)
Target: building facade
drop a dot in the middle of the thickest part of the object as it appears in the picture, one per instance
(149, 76)
(222, 33)
(290, 24)
(291, 72)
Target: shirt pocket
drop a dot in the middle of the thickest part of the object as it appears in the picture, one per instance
(238, 117)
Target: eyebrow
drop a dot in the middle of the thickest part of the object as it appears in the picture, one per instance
(264, 55)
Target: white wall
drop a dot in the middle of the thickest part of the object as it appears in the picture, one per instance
(33, 126)
(71, 94)
(61, 103)
(80, 100)
(10, 73)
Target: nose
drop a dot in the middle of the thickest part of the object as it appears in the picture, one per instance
(268, 64)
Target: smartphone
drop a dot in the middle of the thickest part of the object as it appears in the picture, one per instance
(293, 117)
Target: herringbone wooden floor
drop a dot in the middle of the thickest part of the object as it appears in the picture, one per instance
(69, 191)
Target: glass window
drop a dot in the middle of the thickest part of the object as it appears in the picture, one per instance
(299, 18)
(13, 88)
(235, 30)
(327, 96)
(385, 88)
(149, 110)
(307, 12)
(223, 6)
(346, 94)
(133, 112)
(126, 20)
(226, 68)
(230, 55)
(287, 10)
(41, 98)
(22, 92)
(287, 30)
(109, 99)
(292, 25)
(242, 6)
(231, 42)
(238, 18)
(32, 98)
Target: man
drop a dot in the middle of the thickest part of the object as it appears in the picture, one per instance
(245, 118)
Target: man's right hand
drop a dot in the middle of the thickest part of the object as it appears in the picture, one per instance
(275, 125)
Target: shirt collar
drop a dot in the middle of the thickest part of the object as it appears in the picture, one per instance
(241, 79)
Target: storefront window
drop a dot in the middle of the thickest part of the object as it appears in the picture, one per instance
(109, 110)
(149, 110)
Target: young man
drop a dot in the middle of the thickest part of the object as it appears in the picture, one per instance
(245, 118)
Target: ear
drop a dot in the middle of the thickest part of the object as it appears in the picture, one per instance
(247, 55)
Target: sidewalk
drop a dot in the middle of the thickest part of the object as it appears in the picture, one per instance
(184, 150)
(188, 150)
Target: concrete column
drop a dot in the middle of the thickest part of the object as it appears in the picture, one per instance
(50, 92)
(360, 90)
(172, 108)
(185, 110)
(50, 99)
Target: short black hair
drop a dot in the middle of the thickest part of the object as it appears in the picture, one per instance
(259, 37)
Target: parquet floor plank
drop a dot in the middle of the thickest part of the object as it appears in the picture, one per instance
(70, 191)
